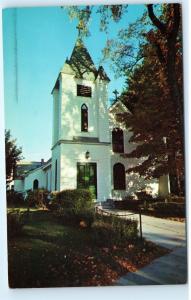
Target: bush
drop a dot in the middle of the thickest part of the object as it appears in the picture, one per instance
(108, 230)
(83, 218)
(15, 199)
(175, 198)
(75, 200)
(133, 205)
(15, 223)
(144, 196)
(73, 207)
(169, 209)
(37, 198)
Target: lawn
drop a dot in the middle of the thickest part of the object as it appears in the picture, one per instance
(49, 254)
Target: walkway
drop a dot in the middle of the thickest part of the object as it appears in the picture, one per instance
(168, 269)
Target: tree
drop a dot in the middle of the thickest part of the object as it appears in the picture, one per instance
(164, 33)
(13, 155)
(152, 64)
(152, 122)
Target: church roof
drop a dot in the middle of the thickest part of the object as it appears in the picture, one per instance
(81, 61)
(81, 65)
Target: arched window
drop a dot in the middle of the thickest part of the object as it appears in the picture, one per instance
(119, 177)
(84, 118)
(35, 184)
(56, 175)
(117, 140)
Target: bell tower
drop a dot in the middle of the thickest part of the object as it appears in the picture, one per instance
(80, 115)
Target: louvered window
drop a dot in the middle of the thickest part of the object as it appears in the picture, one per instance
(84, 91)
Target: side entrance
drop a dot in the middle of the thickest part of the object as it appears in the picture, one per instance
(87, 177)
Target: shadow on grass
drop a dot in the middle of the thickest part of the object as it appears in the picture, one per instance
(49, 254)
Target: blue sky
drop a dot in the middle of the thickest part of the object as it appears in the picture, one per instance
(36, 44)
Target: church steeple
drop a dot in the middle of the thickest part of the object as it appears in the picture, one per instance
(81, 61)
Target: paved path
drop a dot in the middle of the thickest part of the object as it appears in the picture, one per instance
(168, 269)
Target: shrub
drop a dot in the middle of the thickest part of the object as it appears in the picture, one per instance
(69, 217)
(73, 207)
(175, 198)
(37, 198)
(169, 209)
(133, 205)
(15, 223)
(76, 200)
(144, 196)
(15, 199)
(109, 230)
(159, 199)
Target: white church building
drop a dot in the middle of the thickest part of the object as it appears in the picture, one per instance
(87, 141)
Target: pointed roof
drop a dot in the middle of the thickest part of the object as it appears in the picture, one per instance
(81, 65)
(102, 74)
(81, 61)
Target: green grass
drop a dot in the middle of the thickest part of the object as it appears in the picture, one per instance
(49, 254)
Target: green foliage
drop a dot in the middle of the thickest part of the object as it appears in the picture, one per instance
(73, 200)
(169, 209)
(15, 223)
(12, 155)
(73, 207)
(83, 218)
(37, 198)
(15, 199)
(113, 230)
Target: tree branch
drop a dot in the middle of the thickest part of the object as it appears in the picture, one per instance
(155, 20)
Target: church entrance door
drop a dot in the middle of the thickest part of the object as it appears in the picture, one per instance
(87, 177)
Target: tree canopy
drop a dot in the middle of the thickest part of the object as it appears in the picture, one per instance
(149, 54)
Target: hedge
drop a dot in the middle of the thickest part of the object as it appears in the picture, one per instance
(76, 200)
(15, 199)
(133, 205)
(169, 209)
(113, 230)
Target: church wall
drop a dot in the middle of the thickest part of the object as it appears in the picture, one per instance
(102, 116)
(38, 174)
(55, 157)
(71, 109)
(100, 154)
(48, 173)
(49, 184)
(134, 182)
(55, 131)
(19, 185)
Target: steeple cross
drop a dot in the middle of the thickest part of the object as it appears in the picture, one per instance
(79, 27)
(115, 92)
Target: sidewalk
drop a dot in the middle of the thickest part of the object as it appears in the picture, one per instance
(168, 269)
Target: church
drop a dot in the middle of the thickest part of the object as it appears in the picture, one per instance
(87, 141)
